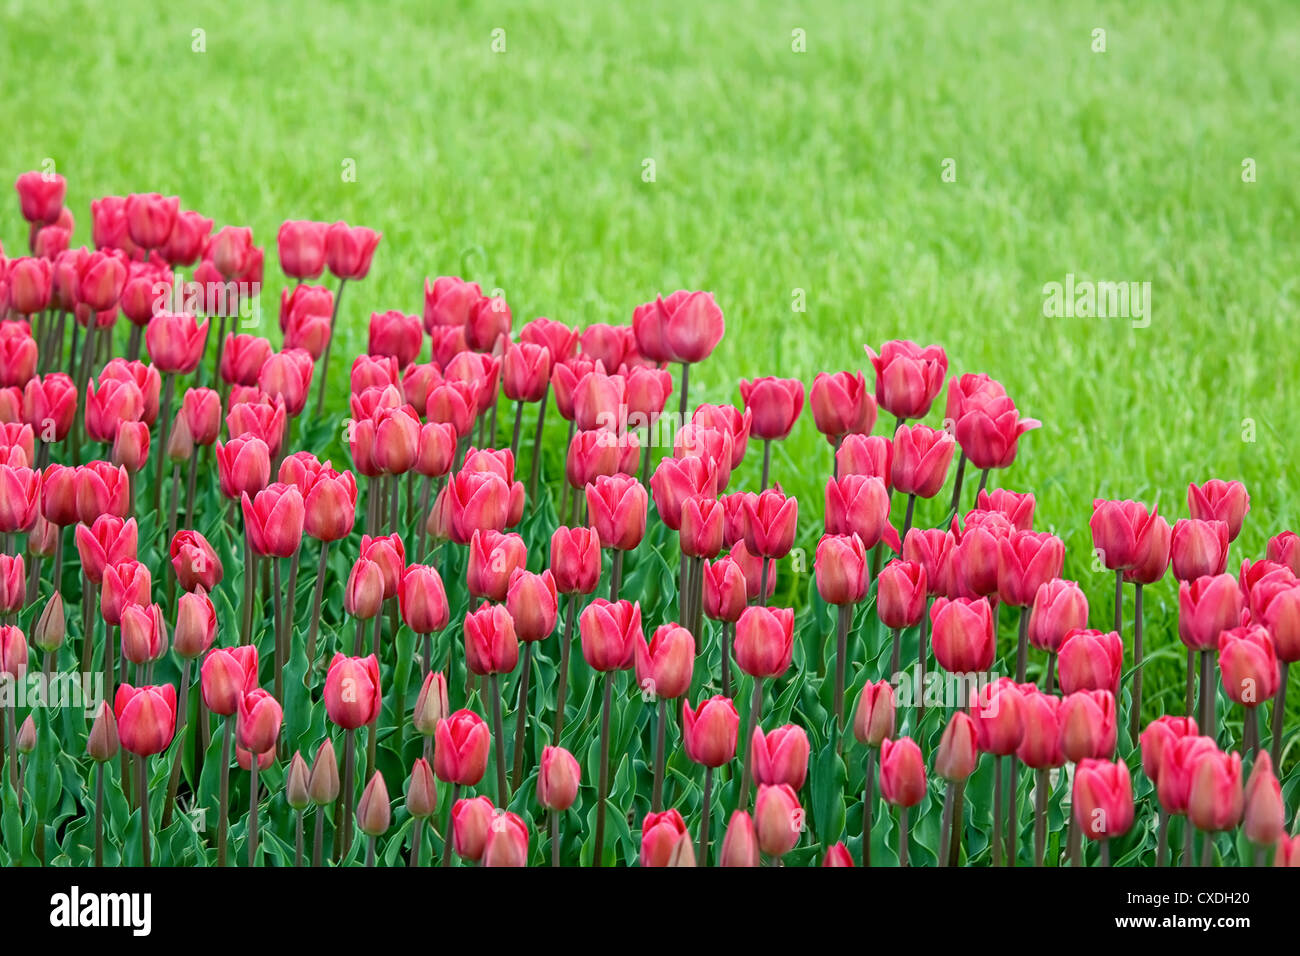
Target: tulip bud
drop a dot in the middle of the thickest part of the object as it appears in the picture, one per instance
(471, 819)
(575, 560)
(1040, 747)
(26, 741)
(873, 721)
(260, 716)
(659, 835)
(778, 819)
(1159, 734)
(740, 845)
(664, 666)
(725, 590)
(1264, 810)
(558, 779)
(1215, 799)
(506, 843)
(902, 772)
(780, 756)
(146, 718)
(764, 642)
(102, 744)
(352, 692)
(957, 755)
(373, 811)
(1059, 607)
(323, 784)
(296, 792)
(226, 676)
(610, 632)
(901, 594)
(1103, 799)
(709, 731)
(422, 792)
(460, 748)
(996, 713)
(51, 627)
(1090, 660)
(1198, 548)
(431, 706)
(841, 569)
(1088, 725)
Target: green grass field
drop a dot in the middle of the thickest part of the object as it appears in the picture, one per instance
(775, 171)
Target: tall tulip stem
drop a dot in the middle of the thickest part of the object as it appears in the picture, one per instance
(503, 793)
(706, 805)
(164, 433)
(99, 813)
(661, 721)
(615, 574)
(536, 468)
(325, 359)
(1022, 646)
(903, 828)
(1279, 715)
(146, 848)
(755, 705)
(1119, 603)
(521, 716)
(555, 837)
(518, 430)
(1207, 696)
(563, 680)
(598, 849)
(1040, 817)
(314, 627)
(767, 463)
(1162, 838)
(1135, 715)
(945, 827)
(182, 716)
(1013, 814)
(844, 621)
(349, 795)
(868, 798)
(954, 846)
(955, 505)
(252, 810)
(446, 829)
(998, 846)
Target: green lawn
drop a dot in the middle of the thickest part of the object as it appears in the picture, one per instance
(774, 171)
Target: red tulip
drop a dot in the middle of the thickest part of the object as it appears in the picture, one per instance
(431, 705)
(990, 434)
(575, 560)
(471, 819)
(112, 403)
(1088, 728)
(41, 195)
(1153, 556)
(348, 250)
(714, 445)
(526, 372)
(1158, 737)
(725, 590)
(260, 717)
(692, 325)
(175, 341)
(664, 665)
(489, 320)
(1059, 607)
(460, 748)
(775, 404)
(144, 634)
(50, 405)
(931, 548)
(1027, 561)
(274, 520)
(20, 490)
(301, 248)
(102, 489)
(196, 624)
(1040, 716)
(1207, 607)
(857, 504)
(533, 604)
(921, 459)
(709, 732)
(780, 756)
(476, 501)
(1248, 664)
(226, 676)
(962, 634)
(1215, 799)
(123, 584)
(778, 819)
(1120, 530)
(1199, 548)
(329, 509)
(352, 691)
(195, 562)
(659, 835)
(242, 358)
(1284, 548)
(59, 496)
(422, 600)
(610, 633)
(1090, 660)
(902, 772)
(771, 520)
(908, 377)
(507, 841)
(740, 845)
(957, 756)
(873, 721)
(677, 479)
(752, 567)
(1102, 799)
(1015, 507)
(841, 570)
(13, 643)
(243, 466)
(869, 455)
(1218, 500)
(974, 560)
(764, 642)
(617, 506)
(146, 718)
(841, 404)
(447, 301)
(491, 646)
(150, 218)
(558, 779)
(701, 527)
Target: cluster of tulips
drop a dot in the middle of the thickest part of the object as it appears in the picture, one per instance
(456, 579)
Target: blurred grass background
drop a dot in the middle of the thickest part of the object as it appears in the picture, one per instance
(775, 171)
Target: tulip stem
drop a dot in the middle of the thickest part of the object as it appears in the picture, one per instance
(922, 654)
(1251, 732)
(1279, 715)
(521, 716)
(755, 705)
(762, 582)
(349, 786)
(250, 590)
(1191, 681)
(555, 838)
(661, 721)
(1162, 838)
(1040, 817)
(706, 804)
(727, 628)
(895, 655)
(171, 526)
(1119, 604)
(955, 505)
(959, 801)
(984, 483)
(164, 433)
(446, 829)
(902, 837)
(318, 837)
(370, 851)
(99, 813)
(281, 627)
(564, 666)
(767, 463)
(146, 849)
(615, 574)
(1207, 849)
(682, 405)
(191, 480)
(519, 422)
(325, 359)
(417, 832)
(1135, 715)
(1049, 677)
(844, 620)
(182, 715)
(998, 846)
(317, 594)
(223, 799)
(868, 798)
(1022, 646)
(907, 515)
(598, 849)
(536, 468)
(1013, 814)
(1207, 696)
(1103, 853)
(564, 485)
(945, 827)
(500, 741)
(252, 810)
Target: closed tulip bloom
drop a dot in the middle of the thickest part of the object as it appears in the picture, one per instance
(677, 479)
(600, 401)
(770, 523)
(873, 721)
(491, 646)
(1040, 716)
(558, 779)
(902, 772)
(1090, 660)
(764, 643)
(146, 718)
(1027, 560)
(447, 301)
(1260, 582)
(489, 320)
(1284, 548)
(352, 692)
(1198, 548)
(196, 624)
(50, 405)
(526, 372)
(123, 584)
(102, 742)
(243, 466)
(41, 195)
(493, 558)
(1179, 760)
(962, 634)
(52, 626)
(1218, 500)
(109, 404)
(1059, 607)
(932, 549)
(974, 561)
(421, 791)
(610, 633)
(908, 377)
(647, 392)
(692, 325)
(775, 404)
(1265, 812)
(1103, 799)
(101, 281)
(506, 843)
(1215, 799)
(274, 520)
(664, 666)
(709, 732)
(195, 561)
(1153, 557)
(13, 652)
(841, 404)
(20, 499)
(901, 594)
(144, 634)
(780, 756)
(990, 434)
(533, 604)
(617, 505)
(1207, 607)
(301, 248)
(725, 590)
(257, 415)
(389, 553)
(1088, 725)
(329, 508)
(957, 755)
(13, 583)
(471, 819)
(871, 455)
(397, 440)
(226, 676)
(659, 835)
(150, 218)
(374, 812)
(397, 334)
(575, 560)
(1120, 530)
(740, 845)
(1288, 851)
(558, 339)
(837, 856)
(701, 527)
(730, 419)
(1158, 736)
(857, 504)
(348, 250)
(921, 459)
(260, 717)
(31, 281)
(477, 501)
(778, 818)
(422, 599)
(431, 705)
(841, 569)
(175, 341)
(1282, 618)
(1248, 663)
(461, 748)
